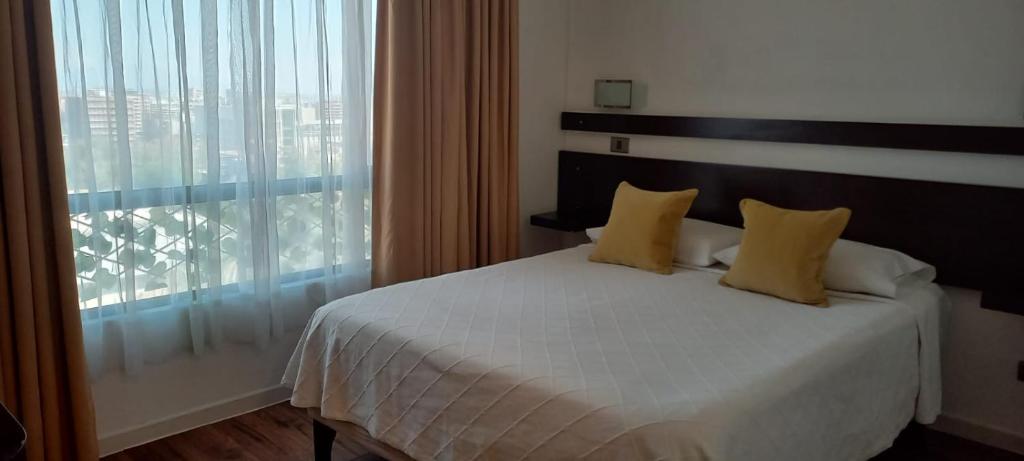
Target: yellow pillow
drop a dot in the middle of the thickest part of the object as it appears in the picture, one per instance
(783, 252)
(642, 229)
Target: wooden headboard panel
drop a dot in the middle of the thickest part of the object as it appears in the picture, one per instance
(974, 235)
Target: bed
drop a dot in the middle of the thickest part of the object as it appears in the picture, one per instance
(555, 357)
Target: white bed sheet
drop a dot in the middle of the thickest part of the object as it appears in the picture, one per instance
(554, 357)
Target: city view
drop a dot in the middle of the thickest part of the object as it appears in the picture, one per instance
(170, 245)
(172, 195)
(154, 128)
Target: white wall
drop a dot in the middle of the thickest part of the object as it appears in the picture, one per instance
(189, 391)
(927, 61)
(543, 54)
(873, 60)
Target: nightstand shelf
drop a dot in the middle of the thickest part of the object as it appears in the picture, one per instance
(560, 221)
(1006, 300)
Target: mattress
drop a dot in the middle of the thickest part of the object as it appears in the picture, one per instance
(555, 357)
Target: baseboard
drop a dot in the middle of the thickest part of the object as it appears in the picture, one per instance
(977, 432)
(190, 419)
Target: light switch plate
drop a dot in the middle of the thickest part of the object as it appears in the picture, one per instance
(619, 145)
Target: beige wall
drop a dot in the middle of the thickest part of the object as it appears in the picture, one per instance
(930, 61)
(543, 54)
(189, 391)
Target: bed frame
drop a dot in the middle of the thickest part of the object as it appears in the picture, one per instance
(972, 234)
(353, 437)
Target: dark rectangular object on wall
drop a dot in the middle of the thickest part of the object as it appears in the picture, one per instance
(951, 138)
(972, 234)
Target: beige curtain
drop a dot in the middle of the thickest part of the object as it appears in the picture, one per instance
(445, 179)
(42, 363)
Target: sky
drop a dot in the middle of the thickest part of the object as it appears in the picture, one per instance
(140, 52)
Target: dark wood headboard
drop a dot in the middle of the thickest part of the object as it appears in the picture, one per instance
(1004, 140)
(974, 235)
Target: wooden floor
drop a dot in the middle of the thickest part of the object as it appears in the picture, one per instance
(284, 433)
(917, 443)
(277, 433)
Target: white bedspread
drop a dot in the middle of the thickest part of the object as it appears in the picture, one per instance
(554, 357)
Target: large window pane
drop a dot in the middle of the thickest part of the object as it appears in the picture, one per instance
(198, 141)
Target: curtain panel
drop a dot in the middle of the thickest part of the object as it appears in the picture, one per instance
(43, 377)
(445, 149)
(217, 167)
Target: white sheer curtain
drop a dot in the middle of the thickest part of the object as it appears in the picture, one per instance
(217, 156)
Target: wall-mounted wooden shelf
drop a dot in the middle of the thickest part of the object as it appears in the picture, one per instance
(951, 138)
(561, 222)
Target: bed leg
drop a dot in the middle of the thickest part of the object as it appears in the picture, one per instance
(323, 441)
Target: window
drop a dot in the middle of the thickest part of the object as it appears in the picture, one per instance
(214, 147)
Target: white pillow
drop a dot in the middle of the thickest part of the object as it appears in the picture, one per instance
(698, 240)
(861, 268)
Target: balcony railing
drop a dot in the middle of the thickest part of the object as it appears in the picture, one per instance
(136, 244)
(180, 195)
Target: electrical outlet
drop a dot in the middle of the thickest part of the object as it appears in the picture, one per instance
(619, 145)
